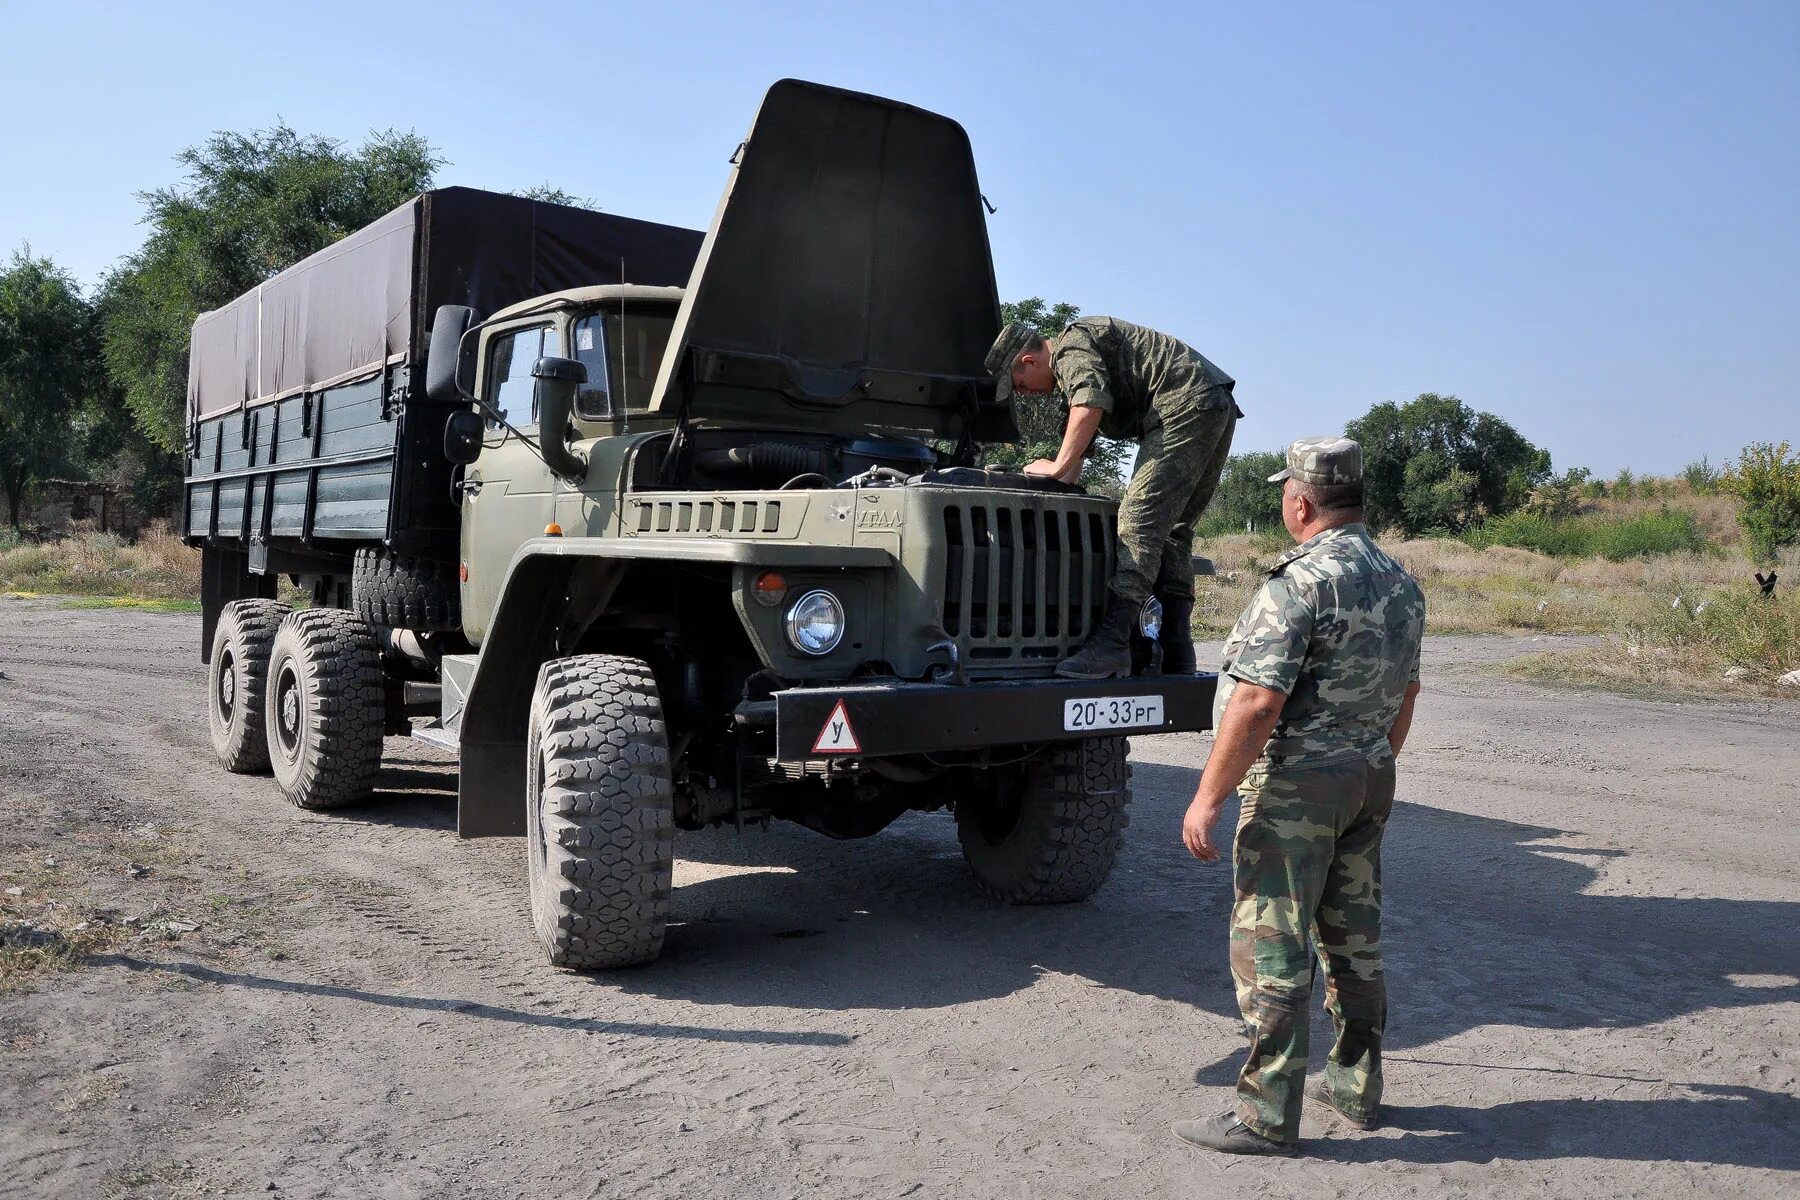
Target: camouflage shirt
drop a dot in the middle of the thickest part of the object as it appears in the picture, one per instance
(1132, 374)
(1337, 627)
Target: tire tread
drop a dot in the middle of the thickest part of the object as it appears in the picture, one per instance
(606, 809)
(1069, 836)
(341, 753)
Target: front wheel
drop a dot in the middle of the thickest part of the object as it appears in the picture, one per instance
(600, 818)
(1048, 832)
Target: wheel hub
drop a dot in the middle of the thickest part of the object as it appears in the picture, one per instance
(287, 711)
(227, 688)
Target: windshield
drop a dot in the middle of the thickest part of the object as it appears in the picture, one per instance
(623, 353)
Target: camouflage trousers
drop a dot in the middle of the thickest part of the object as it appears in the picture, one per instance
(1307, 861)
(1180, 459)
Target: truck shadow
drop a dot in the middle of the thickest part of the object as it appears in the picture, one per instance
(1487, 922)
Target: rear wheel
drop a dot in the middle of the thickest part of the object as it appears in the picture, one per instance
(600, 822)
(324, 708)
(1050, 831)
(236, 680)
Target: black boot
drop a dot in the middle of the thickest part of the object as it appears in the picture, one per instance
(1107, 652)
(1177, 636)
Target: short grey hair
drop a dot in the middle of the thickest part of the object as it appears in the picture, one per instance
(1330, 497)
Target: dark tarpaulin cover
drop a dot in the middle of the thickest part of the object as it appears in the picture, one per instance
(368, 299)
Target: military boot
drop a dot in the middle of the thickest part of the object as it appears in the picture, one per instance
(1229, 1135)
(1107, 652)
(1177, 635)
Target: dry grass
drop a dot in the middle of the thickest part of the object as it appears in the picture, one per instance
(89, 563)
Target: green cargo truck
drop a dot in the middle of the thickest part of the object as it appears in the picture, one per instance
(660, 531)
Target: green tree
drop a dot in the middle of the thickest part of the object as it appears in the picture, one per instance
(1246, 500)
(46, 367)
(1041, 418)
(549, 193)
(1435, 464)
(1766, 481)
(248, 206)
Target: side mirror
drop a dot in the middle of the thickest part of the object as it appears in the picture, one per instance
(445, 361)
(558, 380)
(462, 437)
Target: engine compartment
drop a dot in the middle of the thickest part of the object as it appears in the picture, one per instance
(719, 460)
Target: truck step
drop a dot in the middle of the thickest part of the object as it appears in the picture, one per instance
(434, 734)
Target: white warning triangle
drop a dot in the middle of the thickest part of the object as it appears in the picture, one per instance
(837, 737)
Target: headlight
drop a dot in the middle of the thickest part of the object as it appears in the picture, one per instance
(815, 625)
(1150, 619)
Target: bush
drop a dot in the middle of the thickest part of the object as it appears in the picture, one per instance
(1664, 531)
(1623, 484)
(1702, 477)
(89, 563)
(1559, 497)
(1766, 481)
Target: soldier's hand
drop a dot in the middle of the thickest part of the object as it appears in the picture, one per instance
(1196, 830)
(1042, 466)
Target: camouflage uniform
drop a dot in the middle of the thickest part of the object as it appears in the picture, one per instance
(1336, 627)
(1178, 407)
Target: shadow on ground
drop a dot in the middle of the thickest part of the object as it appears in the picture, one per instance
(468, 1008)
(1488, 922)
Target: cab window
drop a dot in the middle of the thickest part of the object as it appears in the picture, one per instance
(594, 399)
(623, 353)
(510, 358)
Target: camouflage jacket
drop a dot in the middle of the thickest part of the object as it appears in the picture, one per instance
(1337, 627)
(1136, 376)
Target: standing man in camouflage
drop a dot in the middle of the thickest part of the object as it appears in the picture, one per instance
(1125, 381)
(1315, 698)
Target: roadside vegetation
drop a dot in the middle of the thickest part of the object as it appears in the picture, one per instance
(157, 567)
(1662, 572)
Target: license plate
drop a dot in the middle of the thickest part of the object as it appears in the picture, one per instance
(1112, 712)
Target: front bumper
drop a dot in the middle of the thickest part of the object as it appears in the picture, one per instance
(889, 719)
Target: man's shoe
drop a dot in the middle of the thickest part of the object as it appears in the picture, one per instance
(1321, 1092)
(1178, 635)
(1228, 1135)
(1107, 652)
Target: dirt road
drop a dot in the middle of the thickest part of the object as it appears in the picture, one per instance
(1593, 931)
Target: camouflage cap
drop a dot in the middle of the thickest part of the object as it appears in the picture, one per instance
(999, 362)
(1323, 461)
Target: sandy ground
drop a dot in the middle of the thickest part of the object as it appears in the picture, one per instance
(1592, 916)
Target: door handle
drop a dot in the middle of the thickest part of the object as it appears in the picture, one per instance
(469, 487)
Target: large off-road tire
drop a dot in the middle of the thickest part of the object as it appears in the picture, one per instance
(324, 708)
(236, 683)
(600, 821)
(1050, 831)
(400, 591)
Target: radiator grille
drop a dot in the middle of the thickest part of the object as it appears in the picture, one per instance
(1020, 583)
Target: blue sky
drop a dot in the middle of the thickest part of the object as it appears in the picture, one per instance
(1584, 217)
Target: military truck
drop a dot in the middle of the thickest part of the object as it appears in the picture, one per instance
(664, 531)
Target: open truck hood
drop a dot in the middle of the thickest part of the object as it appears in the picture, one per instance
(846, 282)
